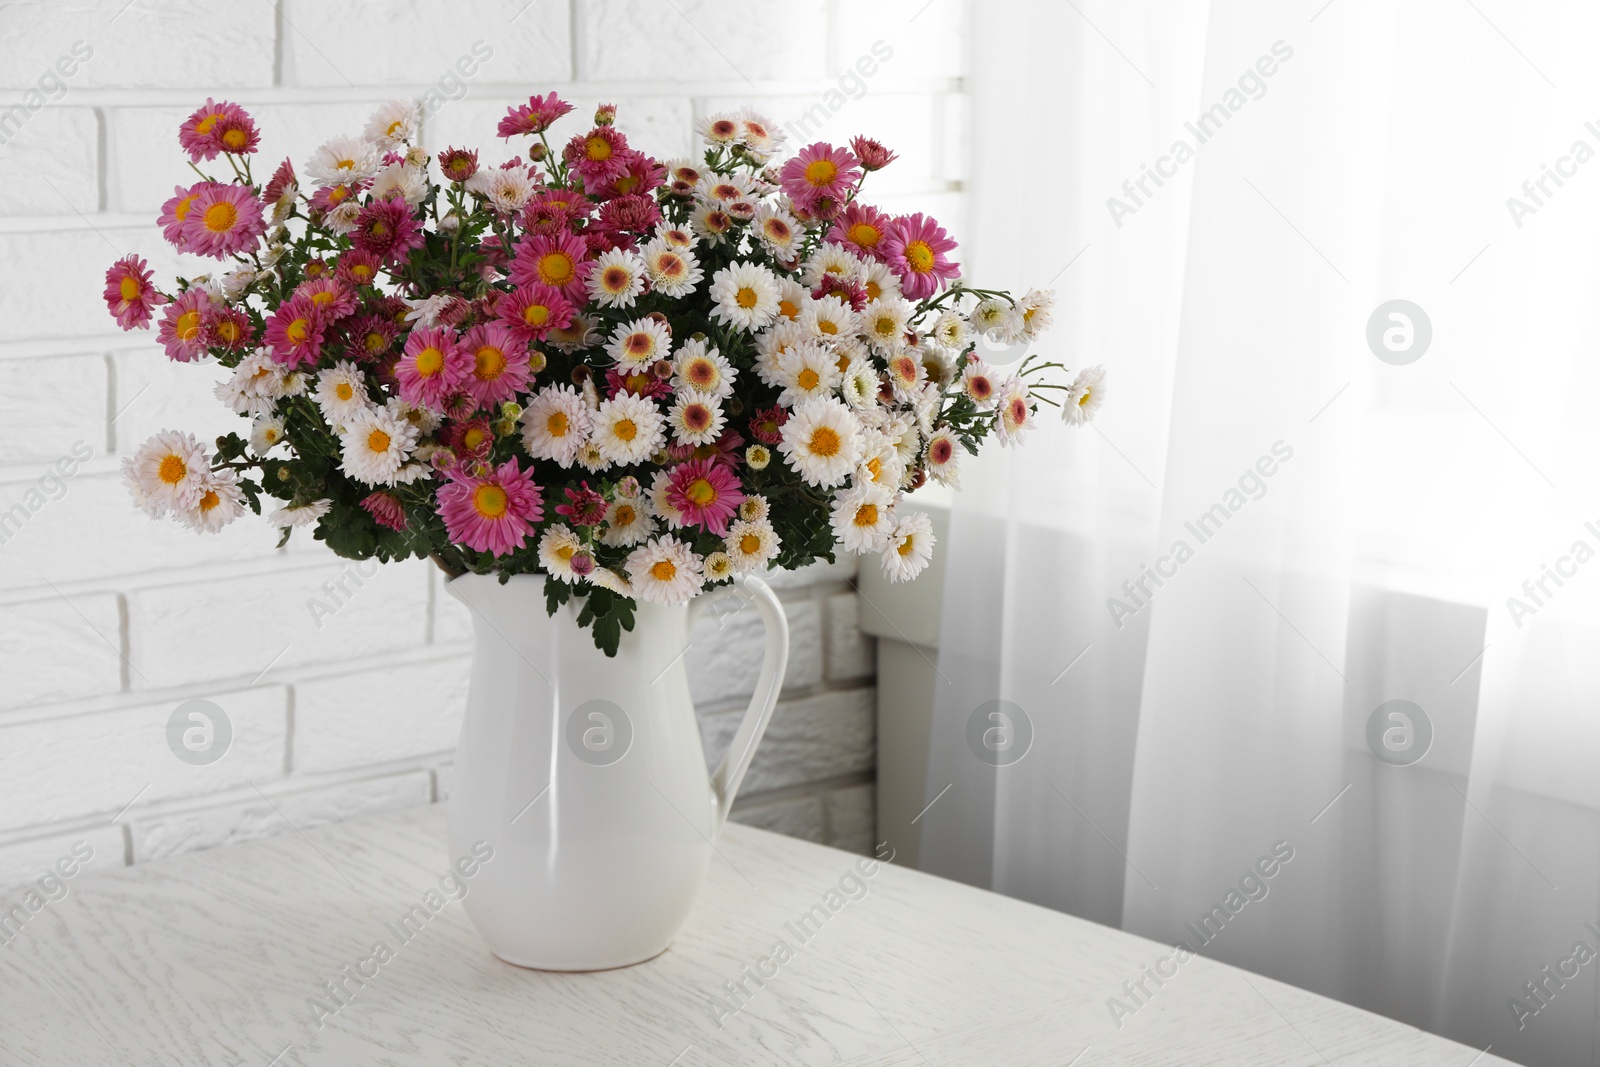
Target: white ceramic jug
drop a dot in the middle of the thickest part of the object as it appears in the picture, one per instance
(587, 776)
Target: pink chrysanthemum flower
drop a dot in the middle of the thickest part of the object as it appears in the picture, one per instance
(705, 493)
(862, 229)
(330, 295)
(494, 513)
(370, 337)
(499, 363)
(872, 154)
(627, 215)
(282, 181)
(386, 510)
(434, 366)
(295, 332)
(640, 175)
(471, 438)
(129, 294)
(640, 381)
(224, 220)
(197, 133)
(725, 451)
(915, 250)
(458, 164)
(328, 197)
(555, 211)
(175, 214)
(766, 425)
(584, 506)
(819, 173)
(532, 311)
(844, 288)
(235, 132)
(183, 327)
(228, 328)
(388, 229)
(559, 260)
(534, 117)
(598, 157)
(358, 267)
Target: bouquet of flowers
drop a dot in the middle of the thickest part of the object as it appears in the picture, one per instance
(638, 379)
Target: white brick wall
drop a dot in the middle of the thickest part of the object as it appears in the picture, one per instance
(108, 622)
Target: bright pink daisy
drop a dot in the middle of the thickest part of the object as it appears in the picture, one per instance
(598, 157)
(388, 229)
(295, 332)
(434, 366)
(499, 363)
(627, 215)
(915, 250)
(386, 510)
(862, 229)
(819, 173)
(175, 214)
(766, 425)
(197, 135)
(129, 294)
(330, 295)
(235, 132)
(641, 175)
(458, 164)
(183, 326)
(532, 311)
(584, 506)
(706, 493)
(640, 381)
(471, 438)
(223, 221)
(494, 513)
(228, 328)
(358, 267)
(725, 451)
(534, 117)
(559, 260)
(331, 196)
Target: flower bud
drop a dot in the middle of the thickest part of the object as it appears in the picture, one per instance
(605, 114)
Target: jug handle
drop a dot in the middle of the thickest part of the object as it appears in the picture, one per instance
(774, 661)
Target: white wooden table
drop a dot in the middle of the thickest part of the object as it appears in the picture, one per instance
(211, 959)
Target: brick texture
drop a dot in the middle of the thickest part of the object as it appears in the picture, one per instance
(109, 622)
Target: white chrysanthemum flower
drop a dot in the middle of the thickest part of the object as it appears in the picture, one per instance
(884, 322)
(297, 515)
(880, 462)
(697, 367)
(909, 547)
(617, 278)
(719, 127)
(1083, 400)
(374, 445)
(745, 295)
(822, 442)
(878, 280)
(723, 188)
(606, 578)
(759, 134)
(1036, 306)
(555, 424)
(925, 407)
(343, 217)
(859, 385)
(412, 472)
(806, 371)
(219, 503)
(772, 345)
(906, 375)
(951, 331)
(862, 518)
(754, 508)
(343, 159)
(1015, 412)
(167, 471)
(751, 544)
(397, 179)
(423, 419)
(696, 418)
(582, 332)
(997, 320)
(341, 394)
(830, 318)
(712, 222)
(674, 236)
(393, 124)
(834, 259)
(980, 383)
(628, 522)
(266, 433)
(556, 548)
(757, 457)
(628, 429)
(778, 231)
(508, 188)
(942, 457)
(718, 567)
(425, 310)
(792, 298)
(673, 271)
(591, 459)
(664, 570)
(660, 503)
(907, 441)
(639, 343)
(235, 282)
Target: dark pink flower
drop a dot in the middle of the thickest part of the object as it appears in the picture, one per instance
(433, 367)
(559, 260)
(295, 332)
(129, 295)
(183, 326)
(639, 381)
(282, 179)
(331, 196)
(197, 134)
(766, 425)
(724, 451)
(235, 132)
(499, 363)
(534, 117)
(598, 157)
(862, 229)
(358, 267)
(386, 510)
(705, 493)
(584, 506)
(458, 164)
(872, 154)
(494, 513)
(228, 328)
(915, 250)
(175, 214)
(370, 337)
(330, 295)
(389, 229)
(532, 311)
(471, 438)
(819, 173)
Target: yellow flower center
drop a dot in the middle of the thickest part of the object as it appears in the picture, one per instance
(865, 234)
(625, 429)
(556, 424)
(746, 297)
(235, 138)
(130, 288)
(639, 344)
(821, 172)
(172, 470)
(701, 492)
(209, 500)
(394, 127)
(597, 148)
(345, 164)
(205, 124)
(377, 441)
(187, 326)
(323, 298)
(874, 290)
(430, 361)
(489, 501)
(808, 379)
(825, 442)
(228, 331)
(220, 217)
(626, 184)
(616, 279)
(919, 256)
(624, 515)
(750, 544)
(181, 212)
(375, 342)
(663, 570)
(566, 552)
(555, 268)
(299, 330)
(827, 326)
(867, 515)
(474, 438)
(535, 314)
(337, 194)
(489, 363)
(788, 309)
(875, 467)
(906, 546)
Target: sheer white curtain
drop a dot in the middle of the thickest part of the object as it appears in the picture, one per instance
(1352, 528)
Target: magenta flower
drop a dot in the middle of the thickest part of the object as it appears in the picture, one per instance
(819, 173)
(282, 180)
(915, 250)
(197, 134)
(598, 157)
(559, 260)
(584, 506)
(223, 221)
(434, 366)
(862, 229)
(872, 154)
(493, 513)
(640, 175)
(386, 510)
(766, 425)
(358, 267)
(235, 132)
(458, 164)
(330, 295)
(228, 328)
(706, 493)
(532, 311)
(388, 229)
(295, 332)
(725, 451)
(499, 363)
(369, 337)
(175, 214)
(331, 196)
(640, 381)
(534, 117)
(183, 327)
(471, 439)
(129, 295)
